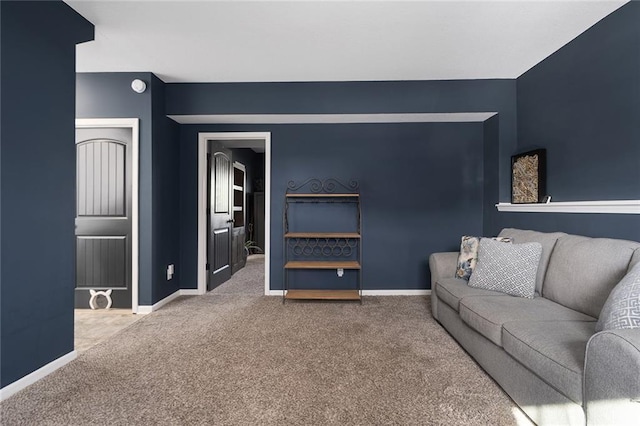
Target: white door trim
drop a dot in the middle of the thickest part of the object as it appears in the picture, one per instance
(133, 124)
(203, 137)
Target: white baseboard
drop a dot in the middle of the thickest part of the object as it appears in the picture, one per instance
(396, 292)
(40, 373)
(147, 309)
(375, 293)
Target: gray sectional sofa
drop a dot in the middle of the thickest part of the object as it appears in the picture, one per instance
(544, 352)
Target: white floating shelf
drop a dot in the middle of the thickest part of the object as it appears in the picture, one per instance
(613, 206)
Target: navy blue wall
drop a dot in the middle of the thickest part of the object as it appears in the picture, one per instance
(421, 186)
(346, 98)
(491, 160)
(166, 212)
(37, 183)
(583, 105)
(109, 95)
(442, 96)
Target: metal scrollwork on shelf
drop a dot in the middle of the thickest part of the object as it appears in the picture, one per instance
(328, 186)
(327, 247)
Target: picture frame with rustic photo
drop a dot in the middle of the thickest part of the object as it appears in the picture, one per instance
(528, 177)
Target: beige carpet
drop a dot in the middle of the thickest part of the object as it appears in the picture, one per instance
(247, 281)
(242, 359)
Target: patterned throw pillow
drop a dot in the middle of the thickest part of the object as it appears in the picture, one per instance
(469, 255)
(508, 268)
(622, 308)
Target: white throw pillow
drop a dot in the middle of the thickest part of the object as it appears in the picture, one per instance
(622, 308)
(508, 268)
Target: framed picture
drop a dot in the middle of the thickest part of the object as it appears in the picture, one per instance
(528, 177)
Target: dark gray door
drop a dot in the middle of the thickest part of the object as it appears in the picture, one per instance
(103, 215)
(220, 215)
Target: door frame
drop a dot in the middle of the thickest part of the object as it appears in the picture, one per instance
(203, 138)
(133, 124)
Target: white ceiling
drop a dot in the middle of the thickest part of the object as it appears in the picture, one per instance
(238, 41)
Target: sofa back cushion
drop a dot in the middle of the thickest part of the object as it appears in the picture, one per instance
(635, 258)
(622, 308)
(582, 271)
(546, 239)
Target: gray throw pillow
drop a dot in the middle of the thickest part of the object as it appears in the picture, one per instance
(622, 308)
(468, 256)
(508, 268)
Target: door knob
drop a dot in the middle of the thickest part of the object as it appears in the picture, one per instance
(230, 221)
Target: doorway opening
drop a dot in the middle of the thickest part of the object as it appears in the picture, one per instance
(259, 191)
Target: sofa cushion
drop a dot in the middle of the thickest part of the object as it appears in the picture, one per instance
(487, 314)
(452, 290)
(553, 350)
(635, 258)
(546, 239)
(622, 308)
(509, 268)
(583, 271)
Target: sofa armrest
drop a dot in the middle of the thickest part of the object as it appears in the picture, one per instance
(612, 377)
(442, 265)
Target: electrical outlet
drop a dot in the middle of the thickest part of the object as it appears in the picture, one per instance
(170, 271)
